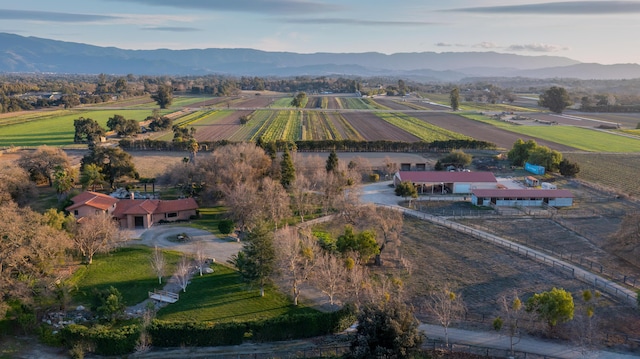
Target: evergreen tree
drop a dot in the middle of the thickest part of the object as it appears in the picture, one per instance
(287, 170)
(555, 99)
(256, 261)
(332, 162)
(454, 96)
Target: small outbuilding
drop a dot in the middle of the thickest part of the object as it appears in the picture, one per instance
(441, 182)
(522, 197)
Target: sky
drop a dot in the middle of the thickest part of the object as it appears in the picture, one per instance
(605, 32)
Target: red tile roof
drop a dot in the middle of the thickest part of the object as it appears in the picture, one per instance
(522, 193)
(445, 177)
(153, 206)
(92, 199)
(177, 205)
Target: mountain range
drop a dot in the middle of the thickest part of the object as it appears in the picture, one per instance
(19, 54)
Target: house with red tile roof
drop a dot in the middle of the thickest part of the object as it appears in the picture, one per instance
(133, 213)
(88, 202)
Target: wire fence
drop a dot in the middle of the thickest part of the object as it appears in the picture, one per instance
(598, 282)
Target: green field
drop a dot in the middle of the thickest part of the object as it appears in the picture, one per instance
(127, 269)
(223, 296)
(579, 138)
(424, 130)
(56, 129)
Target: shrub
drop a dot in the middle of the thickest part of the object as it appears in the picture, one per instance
(374, 177)
(225, 226)
(176, 334)
(102, 340)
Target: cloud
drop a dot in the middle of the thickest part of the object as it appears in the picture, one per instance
(49, 16)
(171, 29)
(537, 48)
(446, 44)
(560, 8)
(355, 22)
(486, 45)
(252, 6)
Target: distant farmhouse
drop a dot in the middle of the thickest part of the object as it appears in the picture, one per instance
(484, 188)
(133, 213)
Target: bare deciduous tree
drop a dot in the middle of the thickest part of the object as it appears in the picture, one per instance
(275, 201)
(243, 203)
(329, 275)
(511, 315)
(296, 255)
(95, 234)
(200, 255)
(302, 196)
(183, 273)
(158, 263)
(29, 249)
(42, 162)
(446, 306)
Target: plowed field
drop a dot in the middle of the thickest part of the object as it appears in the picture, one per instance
(481, 131)
(373, 128)
(221, 129)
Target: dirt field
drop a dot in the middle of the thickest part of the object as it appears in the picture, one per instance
(373, 128)
(481, 131)
(481, 273)
(222, 129)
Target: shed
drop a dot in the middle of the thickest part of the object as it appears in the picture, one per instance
(522, 197)
(447, 182)
(535, 169)
(531, 181)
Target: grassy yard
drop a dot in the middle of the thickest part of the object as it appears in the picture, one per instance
(127, 269)
(222, 296)
(580, 138)
(209, 219)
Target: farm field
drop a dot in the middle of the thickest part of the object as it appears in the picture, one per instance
(373, 128)
(55, 129)
(626, 120)
(578, 138)
(480, 131)
(400, 105)
(424, 130)
(613, 171)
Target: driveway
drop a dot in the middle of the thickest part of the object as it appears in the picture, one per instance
(164, 237)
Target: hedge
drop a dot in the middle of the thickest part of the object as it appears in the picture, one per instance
(321, 146)
(177, 334)
(104, 340)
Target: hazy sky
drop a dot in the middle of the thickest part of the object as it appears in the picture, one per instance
(589, 31)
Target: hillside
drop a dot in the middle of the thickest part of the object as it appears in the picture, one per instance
(32, 54)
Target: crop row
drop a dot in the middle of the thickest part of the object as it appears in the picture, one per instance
(191, 118)
(349, 131)
(423, 130)
(611, 170)
(356, 103)
(285, 126)
(316, 126)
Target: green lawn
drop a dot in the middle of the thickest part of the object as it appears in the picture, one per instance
(222, 296)
(209, 219)
(57, 130)
(579, 138)
(127, 269)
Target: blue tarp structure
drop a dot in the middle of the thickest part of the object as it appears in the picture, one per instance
(535, 169)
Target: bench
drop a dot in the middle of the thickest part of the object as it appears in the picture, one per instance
(164, 296)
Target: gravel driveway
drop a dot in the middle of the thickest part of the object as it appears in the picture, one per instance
(164, 237)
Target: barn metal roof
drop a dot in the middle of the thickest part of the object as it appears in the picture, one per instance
(445, 177)
(522, 193)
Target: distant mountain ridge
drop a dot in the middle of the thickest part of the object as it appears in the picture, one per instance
(32, 54)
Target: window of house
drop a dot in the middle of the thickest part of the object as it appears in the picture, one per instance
(75, 212)
(172, 215)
